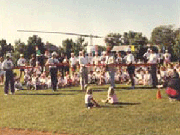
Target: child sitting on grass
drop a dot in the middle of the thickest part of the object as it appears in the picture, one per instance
(89, 100)
(111, 97)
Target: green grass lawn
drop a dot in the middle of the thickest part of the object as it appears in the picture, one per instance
(64, 111)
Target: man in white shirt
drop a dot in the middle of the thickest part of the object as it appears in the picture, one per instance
(83, 71)
(103, 57)
(90, 61)
(7, 66)
(130, 60)
(146, 55)
(153, 59)
(160, 57)
(110, 60)
(73, 63)
(167, 57)
(52, 63)
(96, 61)
(21, 62)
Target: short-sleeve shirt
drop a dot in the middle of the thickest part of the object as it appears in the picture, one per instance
(73, 61)
(21, 62)
(130, 59)
(153, 59)
(7, 64)
(88, 98)
(53, 61)
(83, 60)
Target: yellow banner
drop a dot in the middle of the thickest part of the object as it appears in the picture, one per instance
(132, 48)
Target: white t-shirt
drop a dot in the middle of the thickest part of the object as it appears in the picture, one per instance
(73, 61)
(83, 60)
(90, 59)
(96, 59)
(130, 59)
(21, 62)
(88, 98)
(153, 58)
(147, 55)
(52, 61)
(103, 59)
(167, 56)
(7, 64)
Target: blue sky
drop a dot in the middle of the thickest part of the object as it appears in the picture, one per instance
(98, 17)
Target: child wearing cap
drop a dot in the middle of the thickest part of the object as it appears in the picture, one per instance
(89, 100)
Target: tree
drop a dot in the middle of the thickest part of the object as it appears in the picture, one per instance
(163, 35)
(4, 47)
(134, 38)
(176, 46)
(79, 45)
(68, 46)
(113, 39)
(32, 42)
(20, 48)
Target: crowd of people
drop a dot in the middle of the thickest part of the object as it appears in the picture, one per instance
(58, 71)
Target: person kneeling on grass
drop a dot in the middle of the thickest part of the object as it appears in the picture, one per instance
(111, 97)
(173, 87)
(89, 100)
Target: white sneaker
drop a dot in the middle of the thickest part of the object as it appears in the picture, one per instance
(5, 94)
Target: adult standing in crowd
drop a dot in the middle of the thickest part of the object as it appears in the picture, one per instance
(73, 63)
(90, 61)
(110, 60)
(167, 57)
(160, 57)
(146, 55)
(21, 62)
(130, 68)
(52, 63)
(83, 71)
(1, 71)
(7, 66)
(172, 86)
(66, 64)
(153, 59)
(32, 62)
(61, 68)
(96, 61)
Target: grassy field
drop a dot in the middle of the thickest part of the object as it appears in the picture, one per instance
(139, 112)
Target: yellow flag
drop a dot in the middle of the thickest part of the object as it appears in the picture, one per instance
(132, 48)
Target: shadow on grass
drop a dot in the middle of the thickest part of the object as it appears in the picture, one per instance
(118, 105)
(46, 94)
(136, 87)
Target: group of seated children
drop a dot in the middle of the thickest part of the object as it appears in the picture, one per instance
(34, 80)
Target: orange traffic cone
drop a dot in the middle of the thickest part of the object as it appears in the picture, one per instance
(158, 95)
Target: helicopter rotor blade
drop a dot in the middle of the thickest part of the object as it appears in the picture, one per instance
(65, 33)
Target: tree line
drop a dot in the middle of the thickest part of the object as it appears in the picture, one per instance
(165, 36)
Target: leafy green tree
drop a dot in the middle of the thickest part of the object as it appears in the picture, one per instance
(79, 45)
(163, 35)
(176, 46)
(4, 47)
(32, 43)
(20, 48)
(68, 46)
(134, 38)
(113, 39)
